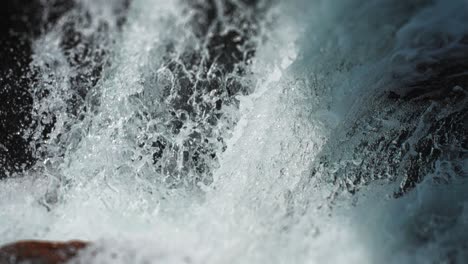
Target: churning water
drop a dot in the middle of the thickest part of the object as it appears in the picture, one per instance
(306, 143)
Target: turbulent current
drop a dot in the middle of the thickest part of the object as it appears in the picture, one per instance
(235, 131)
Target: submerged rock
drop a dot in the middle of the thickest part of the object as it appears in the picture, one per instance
(40, 252)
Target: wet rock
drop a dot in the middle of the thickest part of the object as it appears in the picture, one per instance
(40, 252)
(21, 22)
(435, 72)
(25, 127)
(208, 77)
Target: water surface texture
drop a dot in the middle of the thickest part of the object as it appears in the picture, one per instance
(236, 131)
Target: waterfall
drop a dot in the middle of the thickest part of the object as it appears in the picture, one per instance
(233, 131)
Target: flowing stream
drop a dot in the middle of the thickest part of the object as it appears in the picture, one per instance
(319, 138)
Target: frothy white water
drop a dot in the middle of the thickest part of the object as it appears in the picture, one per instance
(315, 77)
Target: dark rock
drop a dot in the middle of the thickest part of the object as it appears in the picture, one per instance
(40, 252)
(21, 21)
(213, 71)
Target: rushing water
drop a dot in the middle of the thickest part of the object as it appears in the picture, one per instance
(324, 139)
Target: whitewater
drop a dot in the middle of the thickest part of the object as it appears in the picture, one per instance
(307, 162)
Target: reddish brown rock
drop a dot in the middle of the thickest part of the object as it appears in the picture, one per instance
(40, 252)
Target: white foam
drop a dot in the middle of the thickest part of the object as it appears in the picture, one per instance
(321, 61)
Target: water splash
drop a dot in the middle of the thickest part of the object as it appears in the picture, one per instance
(292, 152)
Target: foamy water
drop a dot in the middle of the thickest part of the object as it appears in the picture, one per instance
(283, 187)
